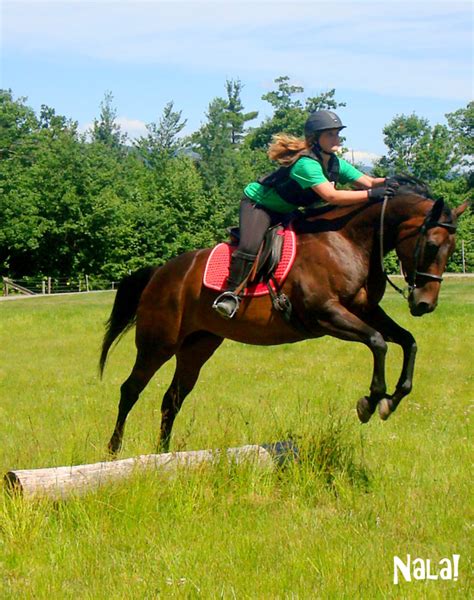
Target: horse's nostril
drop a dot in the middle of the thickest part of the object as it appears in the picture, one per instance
(422, 308)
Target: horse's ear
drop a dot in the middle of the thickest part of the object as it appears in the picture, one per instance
(435, 212)
(461, 208)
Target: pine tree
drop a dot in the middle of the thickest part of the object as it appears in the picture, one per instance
(162, 139)
(105, 129)
(289, 113)
(237, 118)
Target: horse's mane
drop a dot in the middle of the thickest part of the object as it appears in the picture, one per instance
(412, 185)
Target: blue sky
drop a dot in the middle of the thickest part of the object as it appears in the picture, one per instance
(384, 58)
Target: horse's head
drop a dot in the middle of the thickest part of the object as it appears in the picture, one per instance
(425, 242)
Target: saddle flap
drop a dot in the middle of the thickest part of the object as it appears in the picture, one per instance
(270, 254)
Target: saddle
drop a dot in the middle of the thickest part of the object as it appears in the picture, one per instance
(274, 261)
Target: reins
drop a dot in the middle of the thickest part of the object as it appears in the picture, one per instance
(403, 292)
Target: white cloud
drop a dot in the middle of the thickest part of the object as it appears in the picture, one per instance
(361, 157)
(134, 128)
(421, 49)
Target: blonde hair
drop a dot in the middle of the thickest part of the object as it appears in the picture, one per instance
(285, 149)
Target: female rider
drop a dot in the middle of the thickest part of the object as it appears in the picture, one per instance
(309, 173)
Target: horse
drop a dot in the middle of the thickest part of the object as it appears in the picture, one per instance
(335, 287)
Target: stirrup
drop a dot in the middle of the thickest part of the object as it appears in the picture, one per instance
(221, 303)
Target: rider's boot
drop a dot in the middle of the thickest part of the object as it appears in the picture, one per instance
(227, 304)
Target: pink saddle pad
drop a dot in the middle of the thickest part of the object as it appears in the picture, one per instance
(217, 267)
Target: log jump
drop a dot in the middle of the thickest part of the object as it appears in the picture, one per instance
(58, 483)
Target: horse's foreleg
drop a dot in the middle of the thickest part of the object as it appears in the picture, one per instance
(392, 332)
(195, 350)
(346, 325)
(146, 365)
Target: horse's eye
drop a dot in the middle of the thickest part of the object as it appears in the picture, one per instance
(431, 250)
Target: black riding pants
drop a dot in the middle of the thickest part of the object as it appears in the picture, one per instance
(254, 222)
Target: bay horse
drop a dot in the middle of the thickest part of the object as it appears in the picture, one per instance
(335, 286)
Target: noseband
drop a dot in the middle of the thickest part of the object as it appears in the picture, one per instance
(415, 275)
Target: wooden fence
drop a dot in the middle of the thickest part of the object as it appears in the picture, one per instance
(50, 285)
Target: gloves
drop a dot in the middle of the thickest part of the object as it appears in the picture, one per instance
(391, 182)
(379, 193)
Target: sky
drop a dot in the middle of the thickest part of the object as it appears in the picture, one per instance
(384, 58)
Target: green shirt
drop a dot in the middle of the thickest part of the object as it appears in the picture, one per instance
(307, 172)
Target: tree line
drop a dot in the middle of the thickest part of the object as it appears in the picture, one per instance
(98, 203)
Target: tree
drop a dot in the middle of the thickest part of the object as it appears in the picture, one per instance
(289, 113)
(69, 205)
(54, 123)
(105, 129)
(438, 155)
(40, 208)
(417, 148)
(162, 141)
(17, 121)
(213, 138)
(461, 124)
(225, 126)
(402, 137)
(237, 118)
(221, 160)
(282, 98)
(434, 156)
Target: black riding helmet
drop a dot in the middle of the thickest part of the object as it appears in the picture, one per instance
(321, 120)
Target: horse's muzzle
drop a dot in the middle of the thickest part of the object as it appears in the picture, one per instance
(418, 309)
(422, 301)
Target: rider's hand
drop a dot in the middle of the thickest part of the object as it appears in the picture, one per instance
(379, 193)
(391, 182)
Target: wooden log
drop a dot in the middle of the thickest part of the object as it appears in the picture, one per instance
(60, 482)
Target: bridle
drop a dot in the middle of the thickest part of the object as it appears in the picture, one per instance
(415, 275)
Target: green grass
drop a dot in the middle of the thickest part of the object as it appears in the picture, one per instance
(325, 528)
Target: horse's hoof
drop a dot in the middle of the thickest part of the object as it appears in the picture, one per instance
(385, 410)
(113, 450)
(364, 412)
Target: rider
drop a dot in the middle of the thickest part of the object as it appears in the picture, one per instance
(309, 173)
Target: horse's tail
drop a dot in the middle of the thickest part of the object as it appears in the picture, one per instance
(123, 314)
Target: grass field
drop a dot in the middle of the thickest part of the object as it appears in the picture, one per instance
(326, 528)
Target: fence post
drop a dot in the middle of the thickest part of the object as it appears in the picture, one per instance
(463, 257)
(49, 285)
(87, 283)
(43, 287)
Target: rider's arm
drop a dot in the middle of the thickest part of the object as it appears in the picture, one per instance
(307, 171)
(329, 194)
(367, 182)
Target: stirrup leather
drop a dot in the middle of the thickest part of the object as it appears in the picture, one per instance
(224, 296)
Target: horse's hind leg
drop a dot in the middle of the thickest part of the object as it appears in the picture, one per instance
(195, 350)
(146, 365)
